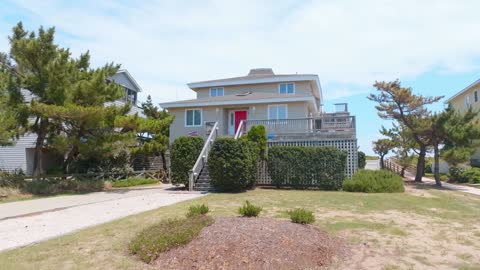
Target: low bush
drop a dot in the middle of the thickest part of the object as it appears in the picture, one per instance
(232, 164)
(374, 182)
(303, 167)
(471, 176)
(184, 154)
(168, 234)
(200, 209)
(301, 216)
(52, 186)
(456, 174)
(249, 210)
(133, 181)
(362, 160)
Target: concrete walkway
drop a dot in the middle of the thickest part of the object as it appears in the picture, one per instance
(372, 165)
(26, 222)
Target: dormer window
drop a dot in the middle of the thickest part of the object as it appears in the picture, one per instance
(130, 95)
(216, 92)
(286, 88)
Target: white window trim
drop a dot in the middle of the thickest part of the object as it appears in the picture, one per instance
(276, 105)
(216, 91)
(287, 90)
(201, 117)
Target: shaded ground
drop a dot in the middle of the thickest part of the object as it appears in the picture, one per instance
(255, 243)
(423, 228)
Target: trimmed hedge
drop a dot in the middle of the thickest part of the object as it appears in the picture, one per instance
(369, 181)
(185, 151)
(471, 176)
(258, 135)
(302, 167)
(232, 164)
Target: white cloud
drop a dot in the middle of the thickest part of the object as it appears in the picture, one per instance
(168, 44)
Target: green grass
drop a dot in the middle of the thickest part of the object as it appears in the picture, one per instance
(371, 158)
(130, 182)
(167, 234)
(106, 246)
(200, 209)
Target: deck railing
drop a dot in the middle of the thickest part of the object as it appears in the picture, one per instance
(306, 125)
(203, 157)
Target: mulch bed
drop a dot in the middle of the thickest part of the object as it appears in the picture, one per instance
(255, 243)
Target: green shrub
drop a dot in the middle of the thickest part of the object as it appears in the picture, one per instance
(249, 210)
(149, 243)
(232, 164)
(133, 181)
(456, 174)
(374, 182)
(471, 175)
(58, 185)
(185, 151)
(258, 135)
(200, 209)
(301, 216)
(302, 167)
(362, 160)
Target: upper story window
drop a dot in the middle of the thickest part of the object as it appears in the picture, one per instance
(467, 101)
(276, 112)
(475, 96)
(193, 118)
(286, 88)
(216, 92)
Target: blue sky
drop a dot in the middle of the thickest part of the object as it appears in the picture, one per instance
(430, 45)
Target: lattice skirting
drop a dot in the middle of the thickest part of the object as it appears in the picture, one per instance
(349, 145)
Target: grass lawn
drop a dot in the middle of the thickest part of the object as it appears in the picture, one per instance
(420, 229)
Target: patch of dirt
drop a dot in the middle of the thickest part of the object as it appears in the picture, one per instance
(256, 243)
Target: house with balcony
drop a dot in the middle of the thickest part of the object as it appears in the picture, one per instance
(290, 106)
(20, 155)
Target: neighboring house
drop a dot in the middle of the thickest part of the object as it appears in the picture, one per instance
(469, 97)
(20, 155)
(288, 105)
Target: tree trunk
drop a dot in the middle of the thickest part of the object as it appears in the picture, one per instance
(69, 158)
(38, 153)
(436, 170)
(421, 163)
(382, 163)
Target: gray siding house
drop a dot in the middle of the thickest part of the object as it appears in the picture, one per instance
(290, 106)
(20, 155)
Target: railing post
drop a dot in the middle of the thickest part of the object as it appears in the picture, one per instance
(190, 180)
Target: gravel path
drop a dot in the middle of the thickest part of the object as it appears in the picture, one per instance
(61, 215)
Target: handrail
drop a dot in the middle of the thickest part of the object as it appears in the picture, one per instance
(239, 132)
(202, 158)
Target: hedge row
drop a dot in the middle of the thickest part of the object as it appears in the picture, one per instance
(369, 181)
(232, 164)
(185, 151)
(302, 167)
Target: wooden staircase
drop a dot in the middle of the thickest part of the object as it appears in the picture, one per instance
(203, 181)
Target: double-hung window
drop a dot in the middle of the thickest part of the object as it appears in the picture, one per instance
(286, 88)
(276, 112)
(193, 117)
(475, 96)
(216, 92)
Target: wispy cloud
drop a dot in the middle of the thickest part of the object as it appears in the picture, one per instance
(166, 44)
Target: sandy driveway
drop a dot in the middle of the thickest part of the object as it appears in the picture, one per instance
(26, 222)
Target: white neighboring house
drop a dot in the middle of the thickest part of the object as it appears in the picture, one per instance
(20, 155)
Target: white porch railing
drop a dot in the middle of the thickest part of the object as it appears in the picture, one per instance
(203, 157)
(304, 125)
(240, 130)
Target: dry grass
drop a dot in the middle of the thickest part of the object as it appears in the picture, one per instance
(427, 230)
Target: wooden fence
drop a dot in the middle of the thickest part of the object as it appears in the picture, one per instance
(391, 164)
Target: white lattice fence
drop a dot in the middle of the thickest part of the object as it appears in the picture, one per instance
(349, 145)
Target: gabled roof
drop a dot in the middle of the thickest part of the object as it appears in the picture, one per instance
(261, 75)
(463, 91)
(130, 78)
(247, 98)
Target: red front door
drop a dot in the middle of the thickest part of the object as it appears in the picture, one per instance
(239, 116)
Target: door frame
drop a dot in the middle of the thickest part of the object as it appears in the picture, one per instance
(231, 120)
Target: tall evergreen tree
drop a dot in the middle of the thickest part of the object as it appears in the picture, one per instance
(401, 105)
